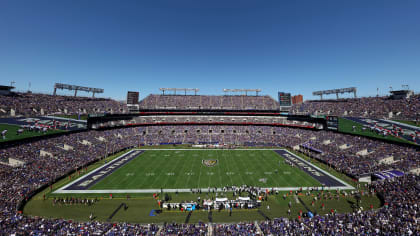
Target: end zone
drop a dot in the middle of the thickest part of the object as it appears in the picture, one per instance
(84, 183)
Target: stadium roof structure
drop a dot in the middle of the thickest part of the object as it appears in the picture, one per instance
(5, 90)
(5, 87)
(336, 92)
(77, 88)
(179, 89)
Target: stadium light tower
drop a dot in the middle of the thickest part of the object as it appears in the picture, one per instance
(336, 92)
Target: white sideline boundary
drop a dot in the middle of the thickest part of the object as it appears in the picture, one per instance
(184, 190)
(402, 124)
(65, 119)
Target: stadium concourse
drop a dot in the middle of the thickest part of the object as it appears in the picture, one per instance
(45, 160)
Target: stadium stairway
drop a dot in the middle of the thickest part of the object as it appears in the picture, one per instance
(258, 228)
(160, 230)
(210, 231)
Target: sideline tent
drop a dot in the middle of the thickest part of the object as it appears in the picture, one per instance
(224, 199)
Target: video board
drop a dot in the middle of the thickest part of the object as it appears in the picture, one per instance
(132, 97)
(332, 122)
(285, 99)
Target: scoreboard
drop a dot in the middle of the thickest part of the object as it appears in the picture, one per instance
(132, 97)
(332, 122)
(285, 99)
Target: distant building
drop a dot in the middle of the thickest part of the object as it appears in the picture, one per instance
(297, 99)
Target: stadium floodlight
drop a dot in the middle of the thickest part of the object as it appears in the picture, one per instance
(242, 91)
(179, 89)
(336, 92)
(77, 88)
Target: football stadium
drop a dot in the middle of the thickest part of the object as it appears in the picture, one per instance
(182, 160)
(202, 164)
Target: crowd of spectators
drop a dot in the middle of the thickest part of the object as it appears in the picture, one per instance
(372, 107)
(204, 120)
(399, 215)
(243, 228)
(31, 104)
(47, 159)
(185, 229)
(239, 102)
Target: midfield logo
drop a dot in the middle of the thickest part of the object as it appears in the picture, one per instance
(209, 162)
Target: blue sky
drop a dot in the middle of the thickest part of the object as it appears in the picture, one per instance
(292, 46)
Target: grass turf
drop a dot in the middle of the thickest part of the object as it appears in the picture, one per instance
(184, 169)
(12, 129)
(140, 207)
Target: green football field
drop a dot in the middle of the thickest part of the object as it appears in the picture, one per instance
(184, 169)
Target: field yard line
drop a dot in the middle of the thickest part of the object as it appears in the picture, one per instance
(152, 163)
(209, 178)
(199, 176)
(189, 176)
(219, 170)
(157, 176)
(277, 182)
(227, 167)
(279, 164)
(239, 172)
(115, 180)
(167, 178)
(180, 177)
(246, 168)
